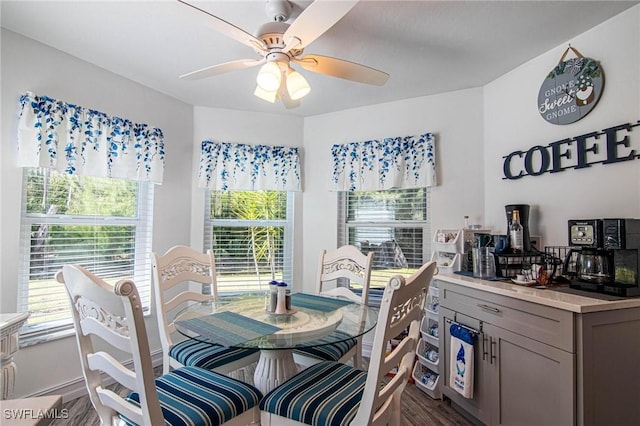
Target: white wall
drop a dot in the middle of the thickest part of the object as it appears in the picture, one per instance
(250, 128)
(456, 120)
(512, 122)
(28, 65)
(473, 129)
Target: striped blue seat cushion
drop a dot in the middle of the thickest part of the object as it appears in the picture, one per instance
(323, 350)
(192, 396)
(204, 355)
(325, 394)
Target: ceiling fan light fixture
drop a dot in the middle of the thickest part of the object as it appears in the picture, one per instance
(269, 77)
(265, 95)
(297, 85)
(280, 42)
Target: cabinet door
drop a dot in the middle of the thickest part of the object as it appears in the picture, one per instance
(478, 406)
(531, 383)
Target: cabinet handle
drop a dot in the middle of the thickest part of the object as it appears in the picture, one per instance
(491, 350)
(484, 348)
(489, 308)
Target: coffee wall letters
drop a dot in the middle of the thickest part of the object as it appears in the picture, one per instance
(609, 146)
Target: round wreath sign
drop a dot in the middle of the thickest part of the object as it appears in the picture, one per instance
(571, 89)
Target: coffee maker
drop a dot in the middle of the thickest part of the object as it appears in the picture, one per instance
(608, 255)
(593, 265)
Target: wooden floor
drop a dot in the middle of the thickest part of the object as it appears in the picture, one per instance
(418, 409)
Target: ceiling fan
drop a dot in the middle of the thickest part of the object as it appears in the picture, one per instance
(279, 44)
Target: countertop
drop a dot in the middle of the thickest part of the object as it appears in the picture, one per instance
(11, 322)
(575, 301)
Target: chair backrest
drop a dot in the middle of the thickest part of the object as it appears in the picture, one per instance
(345, 262)
(402, 308)
(112, 315)
(180, 265)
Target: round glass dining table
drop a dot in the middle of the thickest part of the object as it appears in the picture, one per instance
(242, 321)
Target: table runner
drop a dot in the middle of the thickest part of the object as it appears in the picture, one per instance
(318, 303)
(228, 328)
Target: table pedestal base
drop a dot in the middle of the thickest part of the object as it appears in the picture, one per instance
(274, 368)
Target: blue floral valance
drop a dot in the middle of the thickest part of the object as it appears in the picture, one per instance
(234, 166)
(77, 140)
(401, 162)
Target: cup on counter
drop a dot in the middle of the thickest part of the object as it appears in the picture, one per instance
(500, 243)
(482, 240)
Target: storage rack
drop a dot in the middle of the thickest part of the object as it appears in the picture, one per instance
(509, 264)
(427, 370)
(452, 248)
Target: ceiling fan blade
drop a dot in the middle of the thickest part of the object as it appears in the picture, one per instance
(342, 69)
(314, 21)
(283, 94)
(231, 30)
(222, 68)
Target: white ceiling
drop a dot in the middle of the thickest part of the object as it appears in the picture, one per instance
(427, 47)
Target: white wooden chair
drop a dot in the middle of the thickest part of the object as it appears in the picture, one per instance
(331, 393)
(111, 317)
(179, 266)
(348, 263)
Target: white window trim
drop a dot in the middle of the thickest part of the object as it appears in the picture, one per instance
(344, 227)
(32, 335)
(287, 224)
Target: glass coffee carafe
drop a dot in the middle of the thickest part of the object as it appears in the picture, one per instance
(595, 265)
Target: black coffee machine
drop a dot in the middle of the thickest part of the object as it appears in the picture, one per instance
(609, 256)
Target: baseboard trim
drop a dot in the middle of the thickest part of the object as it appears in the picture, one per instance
(77, 388)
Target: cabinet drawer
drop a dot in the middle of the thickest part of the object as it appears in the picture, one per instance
(542, 323)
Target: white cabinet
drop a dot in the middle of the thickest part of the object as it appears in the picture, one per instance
(427, 369)
(536, 363)
(511, 371)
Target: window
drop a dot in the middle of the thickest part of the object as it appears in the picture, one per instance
(251, 234)
(394, 224)
(101, 224)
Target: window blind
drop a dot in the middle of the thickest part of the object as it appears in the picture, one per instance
(251, 235)
(101, 224)
(393, 224)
